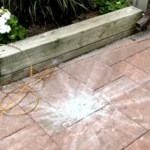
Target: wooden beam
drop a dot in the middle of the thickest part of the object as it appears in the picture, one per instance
(68, 42)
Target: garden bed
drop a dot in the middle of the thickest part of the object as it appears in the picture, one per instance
(36, 29)
(56, 46)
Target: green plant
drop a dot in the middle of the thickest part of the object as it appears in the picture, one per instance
(106, 6)
(10, 30)
(41, 12)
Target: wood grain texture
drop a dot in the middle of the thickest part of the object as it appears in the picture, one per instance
(75, 39)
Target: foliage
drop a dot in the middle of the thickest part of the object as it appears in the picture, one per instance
(106, 6)
(59, 12)
(43, 11)
(10, 30)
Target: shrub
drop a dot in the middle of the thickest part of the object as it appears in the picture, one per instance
(10, 30)
(40, 12)
(61, 12)
(106, 6)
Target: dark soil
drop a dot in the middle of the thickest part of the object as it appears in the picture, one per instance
(35, 30)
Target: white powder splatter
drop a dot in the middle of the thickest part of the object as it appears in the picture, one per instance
(80, 106)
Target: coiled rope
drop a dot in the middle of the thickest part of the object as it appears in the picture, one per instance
(23, 87)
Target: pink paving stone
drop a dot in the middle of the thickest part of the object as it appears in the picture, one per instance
(2, 95)
(12, 93)
(107, 129)
(141, 144)
(47, 117)
(147, 85)
(141, 60)
(17, 92)
(116, 55)
(69, 98)
(92, 72)
(53, 121)
(29, 138)
(11, 124)
(57, 88)
(145, 42)
(136, 106)
(78, 137)
(117, 88)
(131, 72)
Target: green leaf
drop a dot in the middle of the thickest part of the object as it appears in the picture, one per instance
(13, 21)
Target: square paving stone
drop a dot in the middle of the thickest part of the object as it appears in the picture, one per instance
(78, 137)
(147, 85)
(18, 92)
(70, 98)
(117, 88)
(10, 124)
(141, 60)
(54, 119)
(29, 138)
(92, 72)
(131, 72)
(47, 117)
(107, 129)
(136, 106)
(116, 55)
(141, 144)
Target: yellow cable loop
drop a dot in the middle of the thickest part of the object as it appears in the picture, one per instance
(12, 105)
(24, 86)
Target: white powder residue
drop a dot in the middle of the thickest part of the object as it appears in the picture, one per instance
(80, 106)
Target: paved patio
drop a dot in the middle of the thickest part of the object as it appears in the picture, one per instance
(99, 101)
